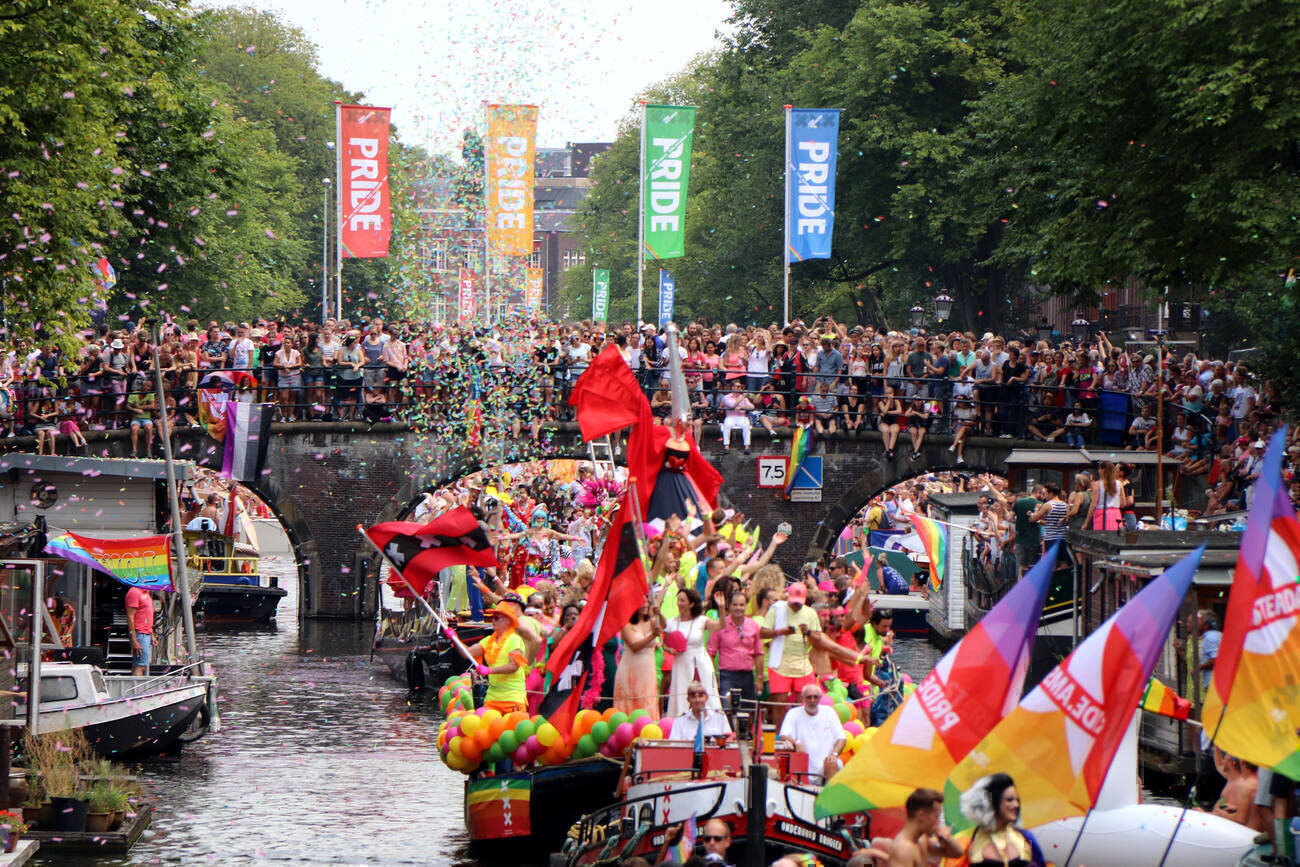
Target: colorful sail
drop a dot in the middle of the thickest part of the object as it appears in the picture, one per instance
(1059, 742)
(800, 445)
(934, 537)
(1252, 707)
(1160, 699)
(143, 562)
(975, 684)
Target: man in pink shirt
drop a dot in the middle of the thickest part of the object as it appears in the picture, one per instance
(736, 646)
(139, 621)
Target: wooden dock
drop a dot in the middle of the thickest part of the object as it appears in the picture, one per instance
(21, 854)
(118, 841)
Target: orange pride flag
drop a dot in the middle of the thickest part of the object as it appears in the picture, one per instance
(1059, 742)
(1252, 707)
(510, 151)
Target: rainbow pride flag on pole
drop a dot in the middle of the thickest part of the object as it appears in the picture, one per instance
(934, 537)
(800, 445)
(975, 684)
(1252, 707)
(143, 562)
(1058, 744)
(1160, 699)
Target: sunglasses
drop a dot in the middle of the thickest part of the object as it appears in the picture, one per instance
(710, 838)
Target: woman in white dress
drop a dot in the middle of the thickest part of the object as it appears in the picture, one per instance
(691, 661)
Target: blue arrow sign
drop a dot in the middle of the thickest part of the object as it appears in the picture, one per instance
(809, 474)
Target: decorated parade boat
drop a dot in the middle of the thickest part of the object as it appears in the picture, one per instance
(766, 796)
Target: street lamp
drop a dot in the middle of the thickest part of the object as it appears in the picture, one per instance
(918, 315)
(1044, 331)
(942, 307)
(324, 249)
(1080, 328)
(338, 216)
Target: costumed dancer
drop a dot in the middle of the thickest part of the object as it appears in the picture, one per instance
(993, 804)
(503, 661)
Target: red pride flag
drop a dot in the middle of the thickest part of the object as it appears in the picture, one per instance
(365, 217)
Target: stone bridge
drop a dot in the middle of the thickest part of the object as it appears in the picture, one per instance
(322, 479)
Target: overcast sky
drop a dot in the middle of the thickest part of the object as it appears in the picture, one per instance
(436, 62)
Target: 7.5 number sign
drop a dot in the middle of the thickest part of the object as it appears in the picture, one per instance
(772, 471)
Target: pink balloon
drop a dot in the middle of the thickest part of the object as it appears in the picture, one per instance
(827, 700)
(624, 734)
(640, 723)
(522, 757)
(666, 726)
(534, 746)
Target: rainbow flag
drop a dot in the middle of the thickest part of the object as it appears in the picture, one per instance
(934, 536)
(1160, 699)
(1059, 742)
(143, 562)
(685, 847)
(800, 445)
(1252, 707)
(975, 684)
(498, 807)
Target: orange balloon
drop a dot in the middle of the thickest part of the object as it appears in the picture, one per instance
(609, 714)
(584, 721)
(515, 719)
(470, 749)
(484, 738)
(496, 727)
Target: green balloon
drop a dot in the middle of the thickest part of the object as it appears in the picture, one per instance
(525, 730)
(495, 753)
(842, 711)
(637, 714)
(586, 746)
(600, 732)
(617, 720)
(508, 742)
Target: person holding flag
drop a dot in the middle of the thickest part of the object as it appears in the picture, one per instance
(503, 661)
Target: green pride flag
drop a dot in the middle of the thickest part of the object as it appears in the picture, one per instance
(599, 294)
(665, 171)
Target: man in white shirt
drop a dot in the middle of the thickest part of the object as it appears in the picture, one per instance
(814, 729)
(698, 716)
(241, 349)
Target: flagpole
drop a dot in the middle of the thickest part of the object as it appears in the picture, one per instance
(593, 296)
(427, 607)
(487, 234)
(785, 248)
(338, 209)
(640, 226)
(173, 502)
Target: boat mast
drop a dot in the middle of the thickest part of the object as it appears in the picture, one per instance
(173, 500)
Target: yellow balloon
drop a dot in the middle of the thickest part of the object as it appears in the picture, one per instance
(489, 715)
(547, 734)
(470, 724)
(652, 732)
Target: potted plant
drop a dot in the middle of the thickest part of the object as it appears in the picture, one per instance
(99, 815)
(12, 828)
(67, 797)
(118, 799)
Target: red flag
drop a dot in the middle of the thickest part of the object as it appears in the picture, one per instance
(608, 398)
(365, 218)
(422, 550)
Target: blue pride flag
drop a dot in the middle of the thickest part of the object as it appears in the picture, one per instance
(810, 155)
(667, 289)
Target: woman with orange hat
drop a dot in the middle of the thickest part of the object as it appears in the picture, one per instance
(503, 660)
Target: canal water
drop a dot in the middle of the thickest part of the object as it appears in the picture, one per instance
(320, 760)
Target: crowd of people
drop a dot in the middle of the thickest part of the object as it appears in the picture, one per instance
(838, 379)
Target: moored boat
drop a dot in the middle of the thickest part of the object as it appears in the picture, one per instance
(233, 590)
(415, 653)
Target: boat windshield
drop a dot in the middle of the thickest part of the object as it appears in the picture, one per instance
(97, 679)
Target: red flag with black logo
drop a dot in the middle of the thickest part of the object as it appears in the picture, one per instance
(421, 551)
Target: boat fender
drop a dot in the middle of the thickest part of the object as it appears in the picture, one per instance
(200, 726)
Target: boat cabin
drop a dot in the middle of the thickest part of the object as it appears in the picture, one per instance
(1111, 568)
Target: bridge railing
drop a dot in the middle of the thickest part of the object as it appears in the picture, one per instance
(528, 398)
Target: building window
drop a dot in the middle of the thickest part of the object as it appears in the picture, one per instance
(535, 260)
(433, 253)
(579, 257)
